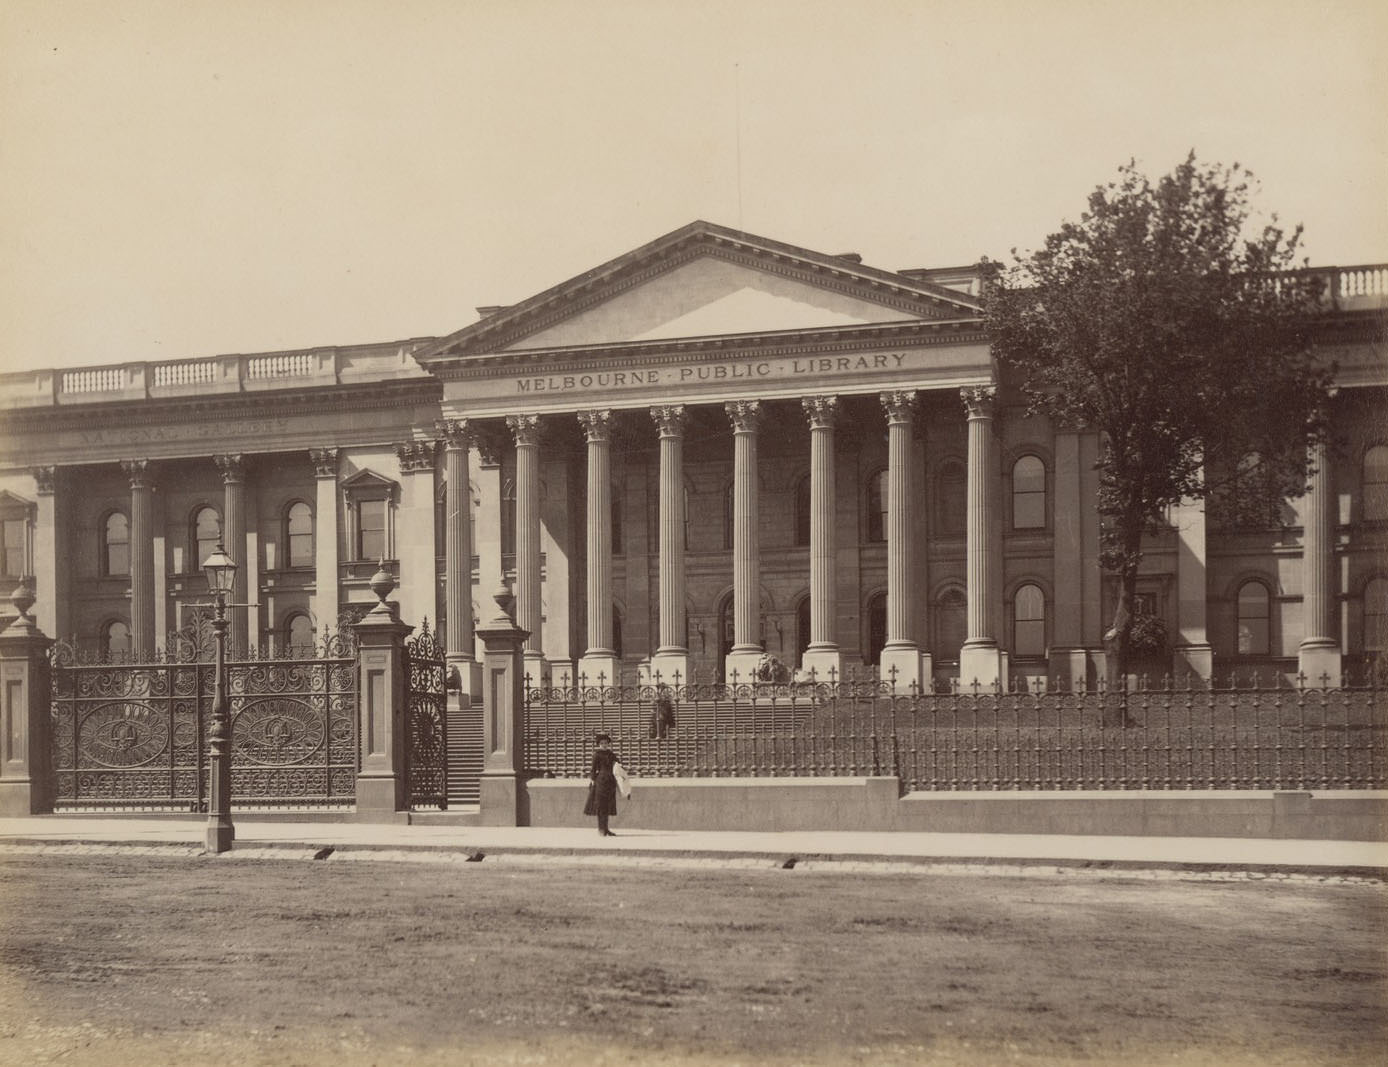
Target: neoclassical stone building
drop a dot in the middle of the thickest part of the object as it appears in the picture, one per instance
(714, 445)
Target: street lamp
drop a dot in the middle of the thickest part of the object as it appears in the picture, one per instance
(221, 571)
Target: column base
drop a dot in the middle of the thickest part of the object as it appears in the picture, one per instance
(18, 796)
(534, 670)
(740, 666)
(599, 669)
(561, 673)
(1320, 664)
(379, 794)
(1077, 668)
(466, 673)
(822, 665)
(1192, 661)
(672, 668)
(984, 665)
(905, 669)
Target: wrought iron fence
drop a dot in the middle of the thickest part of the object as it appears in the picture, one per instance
(129, 734)
(425, 680)
(1172, 737)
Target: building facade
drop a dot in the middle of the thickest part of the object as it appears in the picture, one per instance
(714, 447)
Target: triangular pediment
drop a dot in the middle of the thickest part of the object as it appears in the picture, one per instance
(707, 281)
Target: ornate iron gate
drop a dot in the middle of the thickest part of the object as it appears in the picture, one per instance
(133, 735)
(425, 679)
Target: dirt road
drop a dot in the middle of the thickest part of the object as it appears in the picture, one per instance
(136, 959)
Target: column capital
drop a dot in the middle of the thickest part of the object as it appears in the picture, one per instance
(670, 419)
(821, 411)
(324, 462)
(137, 470)
(44, 478)
(979, 400)
(457, 434)
(415, 456)
(524, 428)
(232, 466)
(596, 423)
(745, 415)
(900, 405)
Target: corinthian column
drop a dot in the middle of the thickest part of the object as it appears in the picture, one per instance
(233, 470)
(901, 657)
(823, 655)
(1318, 657)
(745, 416)
(599, 663)
(141, 557)
(671, 658)
(457, 553)
(325, 577)
(526, 431)
(979, 659)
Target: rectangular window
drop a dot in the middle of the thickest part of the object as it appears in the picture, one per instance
(14, 561)
(371, 530)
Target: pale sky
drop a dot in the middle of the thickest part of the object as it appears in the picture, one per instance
(188, 178)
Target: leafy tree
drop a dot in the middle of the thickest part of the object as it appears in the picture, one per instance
(1169, 321)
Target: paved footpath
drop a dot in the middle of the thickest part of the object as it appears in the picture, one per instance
(826, 850)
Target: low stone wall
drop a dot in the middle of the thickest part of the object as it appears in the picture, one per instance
(874, 804)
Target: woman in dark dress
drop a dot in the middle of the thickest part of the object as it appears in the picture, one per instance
(602, 788)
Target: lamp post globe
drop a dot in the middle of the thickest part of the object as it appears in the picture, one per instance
(220, 570)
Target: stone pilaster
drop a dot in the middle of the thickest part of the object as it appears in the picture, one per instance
(525, 429)
(325, 600)
(51, 553)
(980, 660)
(414, 531)
(1318, 657)
(599, 663)
(745, 416)
(901, 661)
(671, 658)
(823, 656)
(460, 640)
(233, 470)
(142, 641)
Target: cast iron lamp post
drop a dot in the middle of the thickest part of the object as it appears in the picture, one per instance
(220, 570)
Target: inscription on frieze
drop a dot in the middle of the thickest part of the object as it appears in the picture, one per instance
(728, 371)
(135, 435)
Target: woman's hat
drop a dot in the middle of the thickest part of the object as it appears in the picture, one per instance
(599, 738)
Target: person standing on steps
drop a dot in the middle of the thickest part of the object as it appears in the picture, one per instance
(663, 713)
(602, 784)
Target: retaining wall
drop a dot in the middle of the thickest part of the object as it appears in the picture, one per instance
(874, 804)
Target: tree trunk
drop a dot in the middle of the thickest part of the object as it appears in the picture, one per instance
(1117, 650)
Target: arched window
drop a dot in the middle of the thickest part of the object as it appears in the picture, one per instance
(1028, 494)
(115, 638)
(877, 627)
(877, 505)
(951, 500)
(1029, 623)
(207, 534)
(802, 629)
(298, 632)
(1376, 615)
(951, 623)
(802, 512)
(1376, 484)
(1255, 638)
(115, 545)
(298, 535)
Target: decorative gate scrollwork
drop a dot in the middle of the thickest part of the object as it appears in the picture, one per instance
(134, 735)
(425, 679)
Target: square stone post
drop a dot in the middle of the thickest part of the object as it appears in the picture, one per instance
(382, 731)
(26, 776)
(503, 801)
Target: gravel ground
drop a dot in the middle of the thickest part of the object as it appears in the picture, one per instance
(115, 957)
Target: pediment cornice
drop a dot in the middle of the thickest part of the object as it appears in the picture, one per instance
(914, 299)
